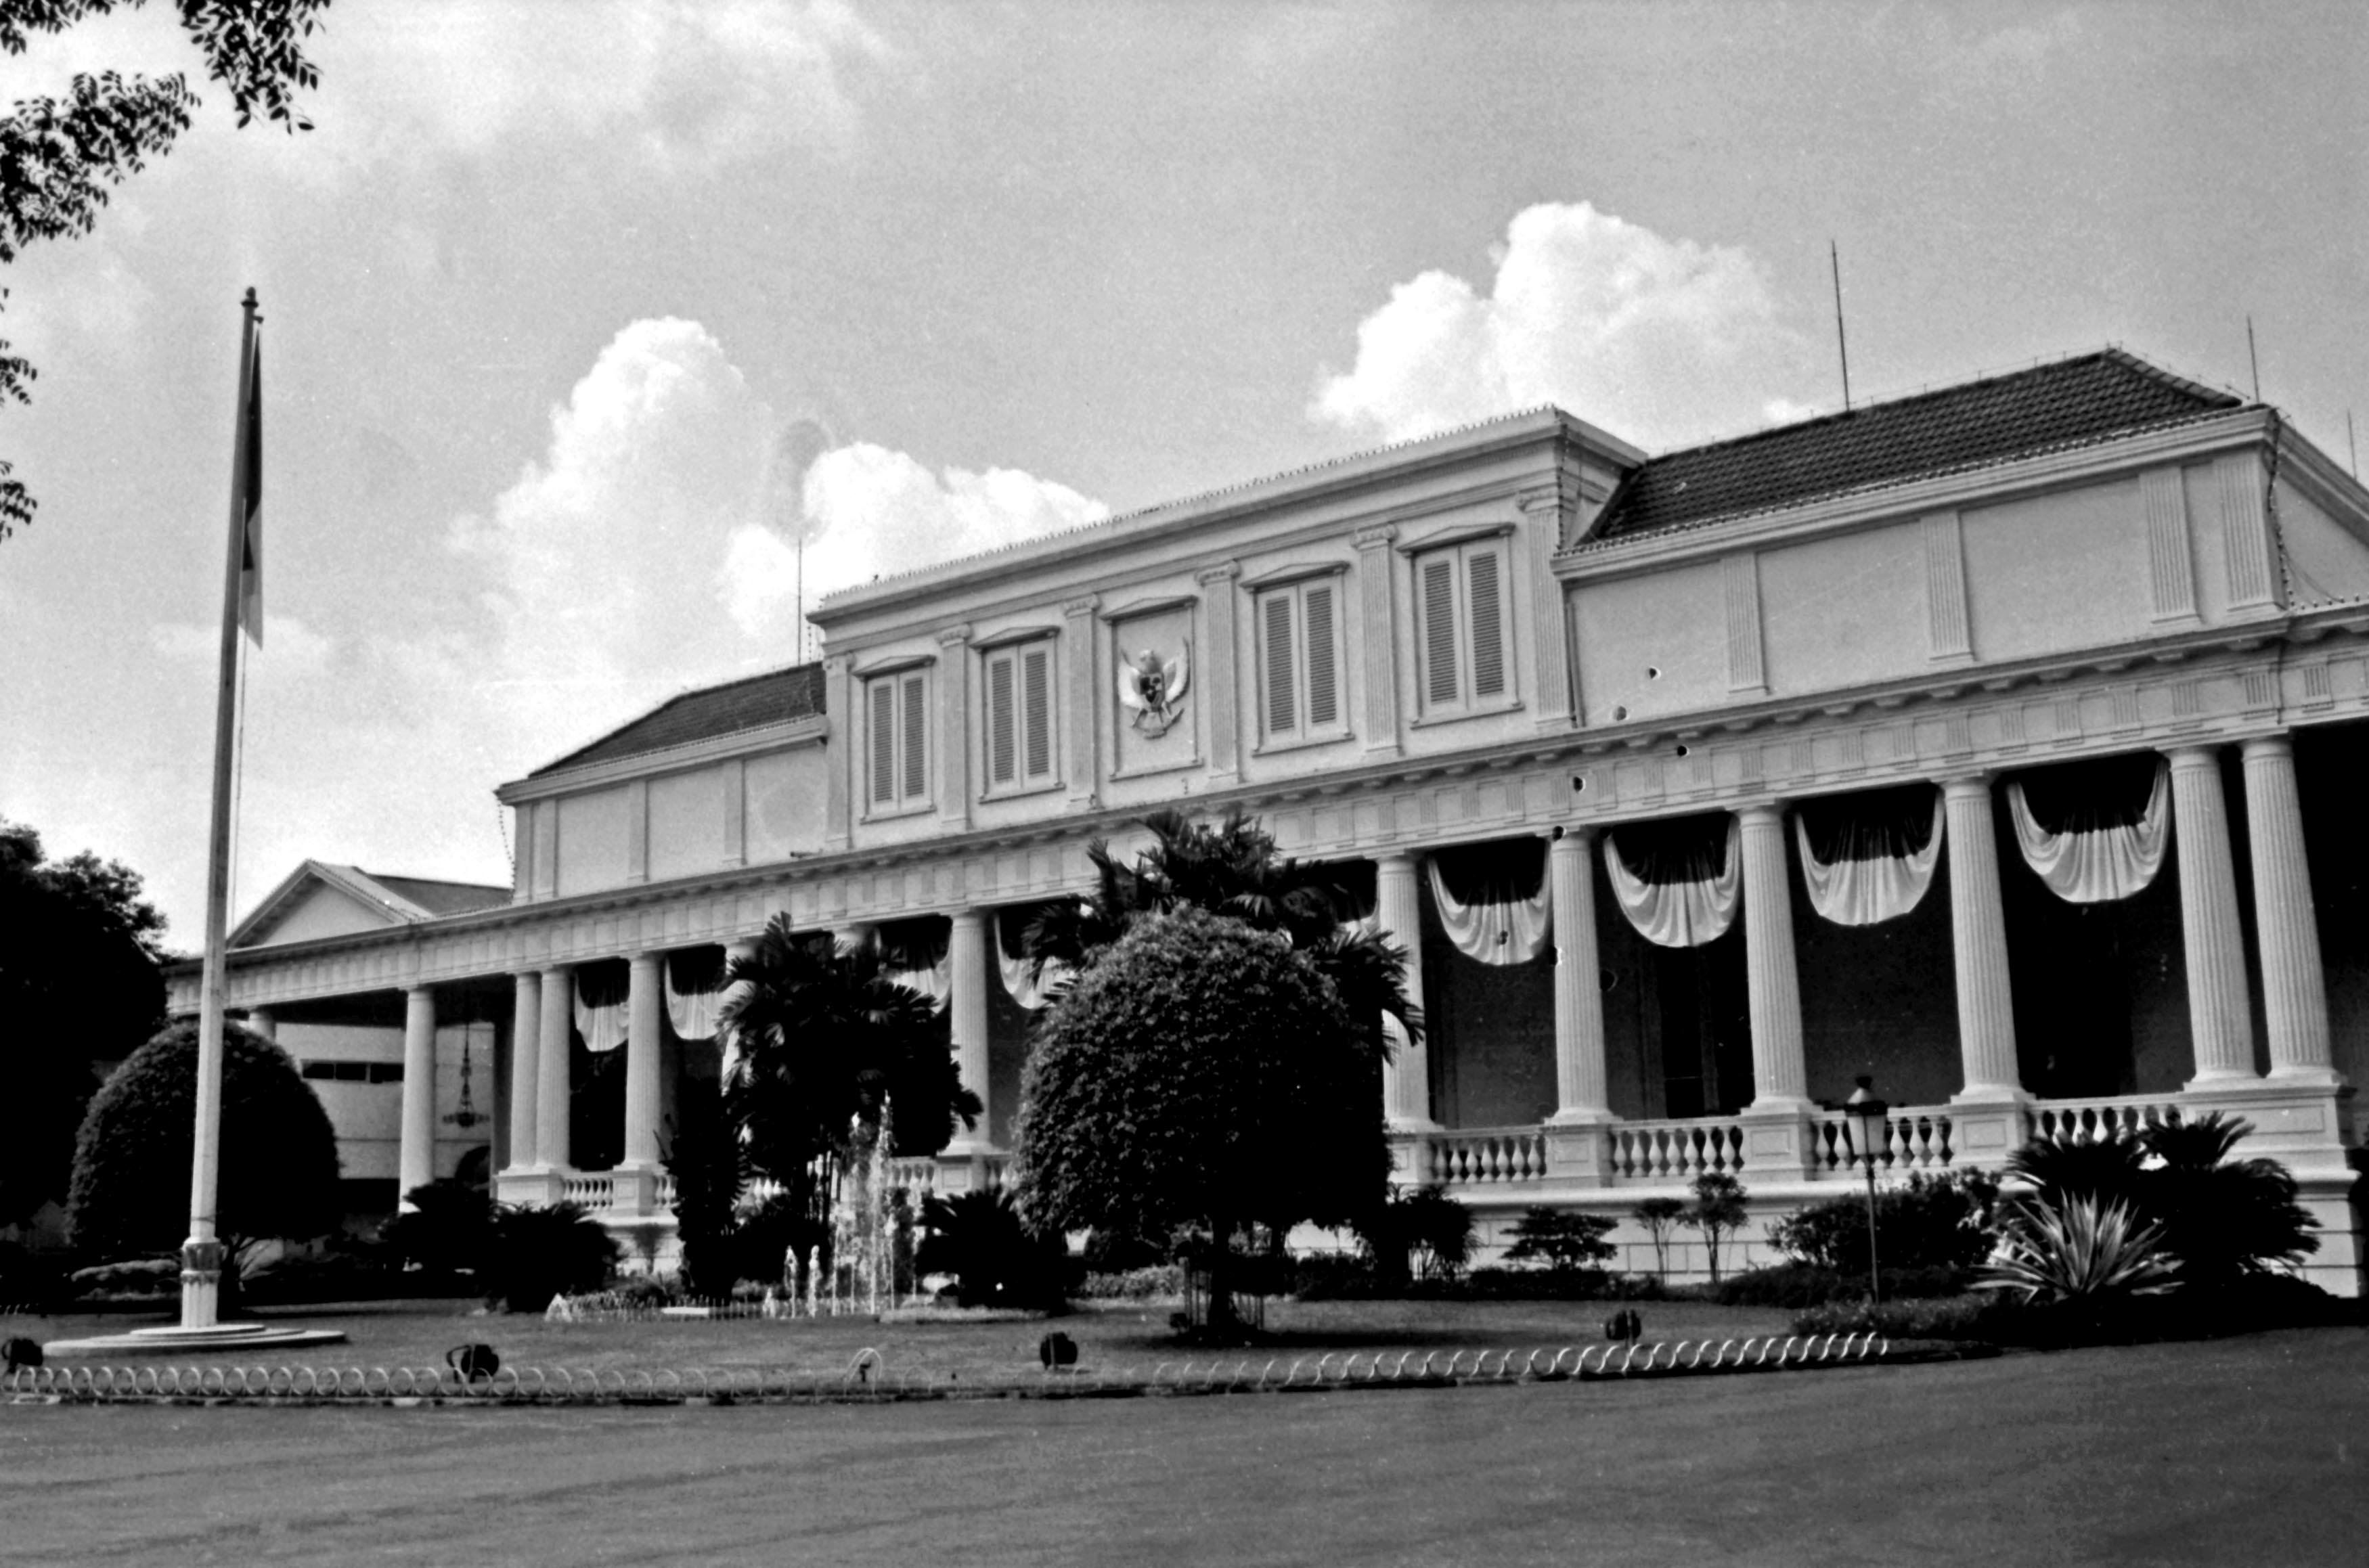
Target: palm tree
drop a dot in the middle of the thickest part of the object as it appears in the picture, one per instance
(825, 1039)
(1231, 869)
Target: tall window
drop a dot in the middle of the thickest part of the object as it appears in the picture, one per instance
(896, 712)
(1020, 716)
(1464, 645)
(1299, 660)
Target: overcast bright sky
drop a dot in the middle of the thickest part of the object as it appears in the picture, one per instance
(578, 315)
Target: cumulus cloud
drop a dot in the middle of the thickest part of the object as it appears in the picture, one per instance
(679, 83)
(1662, 341)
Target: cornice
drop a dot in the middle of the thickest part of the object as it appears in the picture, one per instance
(1598, 560)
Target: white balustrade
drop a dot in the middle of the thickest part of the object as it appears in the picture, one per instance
(2080, 1119)
(596, 1190)
(917, 1176)
(1662, 1152)
(1486, 1157)
(1915, 1139)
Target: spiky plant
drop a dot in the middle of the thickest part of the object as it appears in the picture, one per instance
(2079, 1249)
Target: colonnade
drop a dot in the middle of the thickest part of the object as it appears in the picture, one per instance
(2220, 1017)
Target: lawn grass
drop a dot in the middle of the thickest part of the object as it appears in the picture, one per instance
(2245, 1450)
(1109, 1336)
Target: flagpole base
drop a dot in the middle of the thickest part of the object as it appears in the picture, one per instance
(202, 1266)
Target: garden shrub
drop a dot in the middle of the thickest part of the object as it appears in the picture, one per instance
(1932, 1223)
(446, 1229)
(1561, 1241)
(1799, 1285)
(29, 1279)
(130, 1277)
(980, 1238)
(1417, 1233)
(1135, 1283)
(1914, 1317)
(540, 1253)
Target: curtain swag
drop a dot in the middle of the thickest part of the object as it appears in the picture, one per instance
(2097, 864)
(1868, 888)
(695, 993)
(1683, 913)
(601, 1007)
(1031, 991)
(1498, 925)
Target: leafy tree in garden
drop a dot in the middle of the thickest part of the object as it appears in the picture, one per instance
(1659, 1216)
(78, 985)
(980, 1239)
(825, 1038)
(1930, 1222)
(60, 156)
(537, 1253)
(449, 1227)
(1201, 1074)
(1717, 1211)
(710, 1169)
(1233, 869)
(1562, 1239)
(279, 1177)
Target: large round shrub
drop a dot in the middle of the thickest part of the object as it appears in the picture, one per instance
(279, 1169)
(1201, 1074)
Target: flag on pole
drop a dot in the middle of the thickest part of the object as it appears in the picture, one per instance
(250, 495)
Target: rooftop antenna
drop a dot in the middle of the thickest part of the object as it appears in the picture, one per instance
(2254, 363)
(801, 591)
(1842, 347)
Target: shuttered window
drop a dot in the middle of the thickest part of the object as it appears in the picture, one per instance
(1020, 716)
(898, 714)
(1299, 661)
(1463, 638)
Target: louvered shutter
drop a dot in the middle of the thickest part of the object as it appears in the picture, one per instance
(917, 774)
(1000, 724)
(1281, 716)
(884, 742)
(1440, 630)
(1323, 683)
(1036, 692)
(1488, 621)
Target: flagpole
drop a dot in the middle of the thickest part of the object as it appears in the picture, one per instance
(203, 1253)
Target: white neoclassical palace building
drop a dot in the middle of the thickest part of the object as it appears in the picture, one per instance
(2003, 744)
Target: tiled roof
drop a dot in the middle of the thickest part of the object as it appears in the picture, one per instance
(775, 697)
(440, 898)
(2071, 402)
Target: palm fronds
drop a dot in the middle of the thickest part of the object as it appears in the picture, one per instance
(2079, 1248)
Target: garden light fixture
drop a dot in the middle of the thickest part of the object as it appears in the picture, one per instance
(1868, 1115)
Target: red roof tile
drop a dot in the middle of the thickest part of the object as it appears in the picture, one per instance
(2072, 403)
(774, 697)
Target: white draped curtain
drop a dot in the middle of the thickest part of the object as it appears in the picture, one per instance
(1031, 988)
(918, 963)
(1505, 918)
(600, 1006)
(2098, 860)
(1873, 877)
(1681, 899)
(695, 993)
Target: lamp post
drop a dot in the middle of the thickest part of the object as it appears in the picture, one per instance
(1868, 1126)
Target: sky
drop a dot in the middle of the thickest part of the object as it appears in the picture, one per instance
(596, 333)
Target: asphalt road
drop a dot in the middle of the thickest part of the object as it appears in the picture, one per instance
(2253, 1450)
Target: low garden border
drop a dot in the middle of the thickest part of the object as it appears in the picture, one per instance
(868, 1381)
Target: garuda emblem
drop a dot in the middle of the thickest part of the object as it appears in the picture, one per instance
(1154, 691)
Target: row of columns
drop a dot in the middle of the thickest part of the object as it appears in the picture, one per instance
(2220, 1020)
(2296, 1005)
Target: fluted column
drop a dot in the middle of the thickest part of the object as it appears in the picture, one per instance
(1406, 1082)
(1581, 1093)
(2220, 1024)
(966, 1023)
(526, 1047)
(1979, 940)
(1779, 1075)
(416, 1160)
(644, 997)
(2294, 987)
(557, 1028)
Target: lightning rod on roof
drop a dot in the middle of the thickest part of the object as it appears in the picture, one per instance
(2253, 364)
(1842, 346)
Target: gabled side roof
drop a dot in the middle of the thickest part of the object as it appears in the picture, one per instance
(775, 697)
(397, 900)
(2073, 401)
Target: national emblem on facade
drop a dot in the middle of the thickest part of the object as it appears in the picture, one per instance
(1154, 691)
